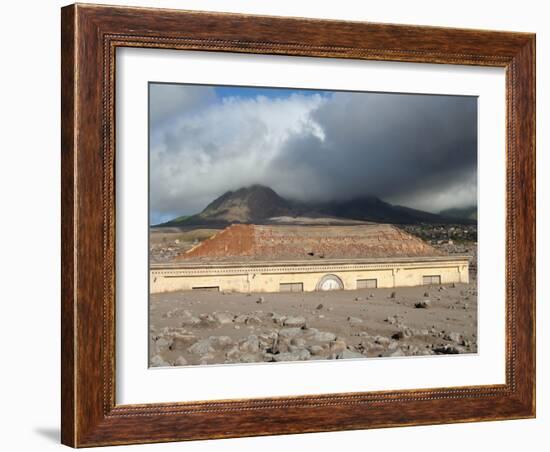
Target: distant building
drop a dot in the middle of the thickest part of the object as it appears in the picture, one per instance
(277, 258)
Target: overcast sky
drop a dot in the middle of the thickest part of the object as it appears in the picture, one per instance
(418, 151)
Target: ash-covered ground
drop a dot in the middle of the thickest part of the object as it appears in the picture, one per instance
(190, 328)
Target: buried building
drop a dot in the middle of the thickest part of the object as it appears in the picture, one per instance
(284, 258)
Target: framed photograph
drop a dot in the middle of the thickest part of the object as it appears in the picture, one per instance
(281, 225)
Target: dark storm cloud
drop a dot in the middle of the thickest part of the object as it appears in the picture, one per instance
(398, 147)
(415, 150)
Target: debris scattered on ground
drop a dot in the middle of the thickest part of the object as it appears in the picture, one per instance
(205, 328)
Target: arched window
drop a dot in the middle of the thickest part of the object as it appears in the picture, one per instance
(330, 282)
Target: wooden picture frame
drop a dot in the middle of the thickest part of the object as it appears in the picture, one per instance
(90, 36)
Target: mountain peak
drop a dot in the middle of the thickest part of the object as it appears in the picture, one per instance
(258, 204)
(255, 190)
(246, 205)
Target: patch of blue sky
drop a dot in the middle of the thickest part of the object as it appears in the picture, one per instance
(245, 92)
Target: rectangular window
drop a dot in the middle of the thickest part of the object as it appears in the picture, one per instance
(431, 279)
(208, 288)
(367, 283)
(291, 287)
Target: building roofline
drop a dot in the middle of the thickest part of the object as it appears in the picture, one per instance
(320, 262)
